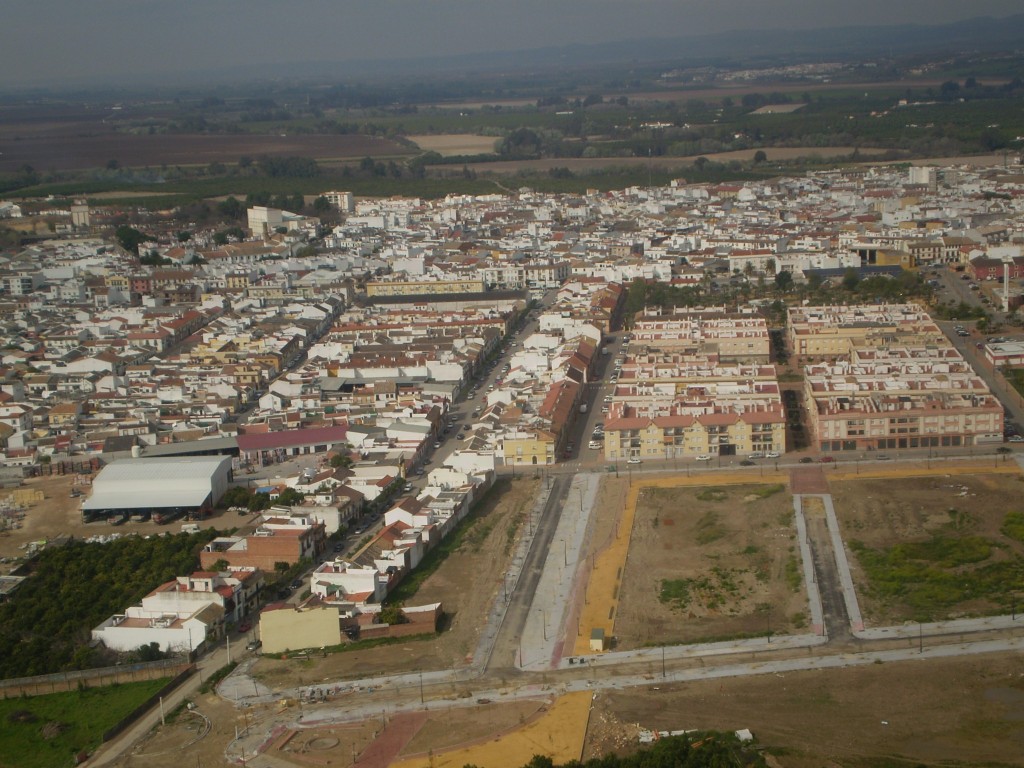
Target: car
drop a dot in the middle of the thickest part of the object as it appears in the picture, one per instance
(756, 455)
(253, 645)
(634, 460)
(337, 548)
(748, 463)
(245, 626)
(806, 460)
(407, 487)
(883, 457)
(703, 457)
(437, 445)
(826, 459)
(772, 455)
(461, 435)
(1016, 439)
(594, 445)
(296, 583)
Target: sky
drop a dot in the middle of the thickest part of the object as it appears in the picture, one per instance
(83, 41)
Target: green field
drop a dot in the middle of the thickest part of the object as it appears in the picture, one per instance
(48, 731)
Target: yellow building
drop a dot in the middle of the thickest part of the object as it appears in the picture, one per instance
(710, 434)
(531, 448)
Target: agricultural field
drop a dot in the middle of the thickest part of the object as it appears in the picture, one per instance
(709, 563)
(71, 152)
(933, 548)
(449, 144)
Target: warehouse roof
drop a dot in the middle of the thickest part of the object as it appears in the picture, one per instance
(172, 481)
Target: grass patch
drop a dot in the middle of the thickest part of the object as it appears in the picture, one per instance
(794, 578)
(711, 590)
(1013, 526)
(709, 528)
(933, 577)
(764, 491)
(358, 645)
(49, 730)
(712, 494)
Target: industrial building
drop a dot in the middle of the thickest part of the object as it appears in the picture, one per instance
(161, 488)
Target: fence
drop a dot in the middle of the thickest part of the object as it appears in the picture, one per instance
(90, 678)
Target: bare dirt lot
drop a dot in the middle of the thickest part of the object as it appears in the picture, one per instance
(939, 531)
(941, 712)
(480, 561)
(58, 514)
(709, 563)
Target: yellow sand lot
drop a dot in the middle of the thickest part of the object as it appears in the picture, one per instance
(558, 733)
(601, 605)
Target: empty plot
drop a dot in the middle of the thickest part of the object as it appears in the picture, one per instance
(710, 563)
(933, 548)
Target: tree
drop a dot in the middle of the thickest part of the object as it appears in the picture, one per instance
(290, 497)
(341, 460)
(230, 208)
(850, 278)
(183, 237)
(784, 280)
(760, 157)
(392, 614)
(130, 238)
(321, 206)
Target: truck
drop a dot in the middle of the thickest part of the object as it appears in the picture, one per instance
(583, 408)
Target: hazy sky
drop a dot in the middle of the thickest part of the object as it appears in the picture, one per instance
(48, 40)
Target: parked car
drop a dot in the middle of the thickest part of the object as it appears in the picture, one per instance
(296, 584)
(827, 459)
(245, 626)
(748, 463)
(883, 457)
(806, 460)
(756, 455)
(634, 460)
(703, 457)
(772, 455)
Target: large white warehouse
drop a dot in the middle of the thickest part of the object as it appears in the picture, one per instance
(163, 488)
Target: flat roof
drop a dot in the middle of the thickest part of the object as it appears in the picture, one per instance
(168, 482)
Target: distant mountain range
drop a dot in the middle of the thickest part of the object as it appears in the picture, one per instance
(728, 48)
(738, 49)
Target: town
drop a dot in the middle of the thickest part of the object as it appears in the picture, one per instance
(333, 405)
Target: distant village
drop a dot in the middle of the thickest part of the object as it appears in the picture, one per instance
(180, 379)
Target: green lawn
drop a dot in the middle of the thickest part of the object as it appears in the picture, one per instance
(48, 731)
